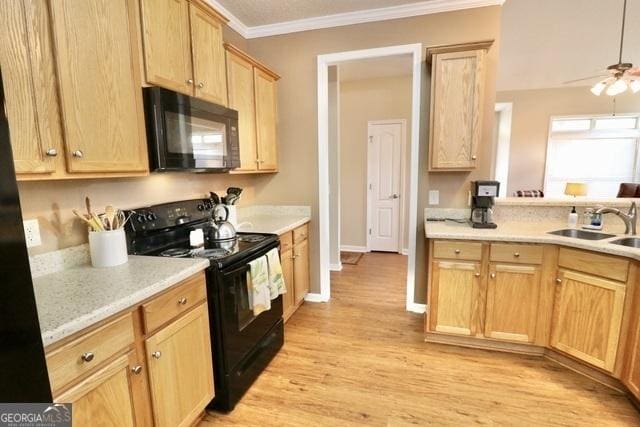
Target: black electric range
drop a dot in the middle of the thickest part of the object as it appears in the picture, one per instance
(242, 344)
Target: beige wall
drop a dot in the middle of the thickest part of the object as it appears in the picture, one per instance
(360, 102)
(294, 57)
(532, 110)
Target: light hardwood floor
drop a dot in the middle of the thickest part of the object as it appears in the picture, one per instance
(360, 360)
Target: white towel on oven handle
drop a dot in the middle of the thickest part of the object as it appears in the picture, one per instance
(276, 278)
(258, 285)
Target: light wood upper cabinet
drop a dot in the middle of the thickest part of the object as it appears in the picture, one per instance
(452, 306)
(301, 270)
(166, 39)
(99, 85)
(588, 317)
(179, 361)
(512, 302)
(105, 397)
(266, 118)
(457, 98)
(183, 48)
(252, 91)
(29, 86)
(209, 74)
(241, 98)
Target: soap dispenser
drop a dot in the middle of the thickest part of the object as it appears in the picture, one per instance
(572, 221)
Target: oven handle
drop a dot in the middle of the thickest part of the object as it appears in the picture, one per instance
(243, 269)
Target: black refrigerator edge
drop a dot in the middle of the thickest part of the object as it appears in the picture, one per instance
(23, 369)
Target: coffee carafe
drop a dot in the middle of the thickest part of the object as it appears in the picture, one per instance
(482, 202)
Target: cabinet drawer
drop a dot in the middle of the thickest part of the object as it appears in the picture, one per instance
(599, 265)
(186, 295)
(87, 352)
(300, 233)
(471, 251)
(286, 242)
(519, 254)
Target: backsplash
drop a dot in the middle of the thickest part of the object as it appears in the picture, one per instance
(52, 202)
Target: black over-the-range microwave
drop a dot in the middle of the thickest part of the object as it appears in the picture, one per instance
(189, 134)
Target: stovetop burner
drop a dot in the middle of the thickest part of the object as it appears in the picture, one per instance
(214, 253)
(251, 238)
(176, 253)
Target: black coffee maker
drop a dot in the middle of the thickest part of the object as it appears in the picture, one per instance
(482, 202)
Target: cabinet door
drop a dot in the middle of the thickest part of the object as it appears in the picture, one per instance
(99, 82)
(288, 299)
(29, 85)
(167, 44)
(266, 117)
(209, 74)
(241, 98)
(587, 318)
(301, 270)
(180, 369)
(453, 297)
(457, 83)
(632, 374)
(512, 302)
(103, 398)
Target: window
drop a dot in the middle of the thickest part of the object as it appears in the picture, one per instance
(601, 151)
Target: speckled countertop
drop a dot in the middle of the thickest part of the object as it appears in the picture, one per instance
(75, 298)
(275, 224)
(516, 231)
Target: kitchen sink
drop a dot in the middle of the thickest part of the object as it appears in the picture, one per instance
(632, 242)
(581, 234)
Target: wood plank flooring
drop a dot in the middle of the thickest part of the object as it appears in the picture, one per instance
(360, 360)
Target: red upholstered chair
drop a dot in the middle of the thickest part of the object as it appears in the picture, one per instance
(629, 189)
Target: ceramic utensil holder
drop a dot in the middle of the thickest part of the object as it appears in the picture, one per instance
(108, 248)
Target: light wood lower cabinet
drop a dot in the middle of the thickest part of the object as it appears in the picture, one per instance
(180, 369)
(294, 255)
(512, 302)
(119, 373)
(453, 305)
(106, 397)
(587, 318)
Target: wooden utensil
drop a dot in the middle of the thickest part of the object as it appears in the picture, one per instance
(110, 213)
(82, 217)
(87, 203)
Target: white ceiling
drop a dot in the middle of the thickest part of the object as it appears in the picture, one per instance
(547, 42)
(393, 66)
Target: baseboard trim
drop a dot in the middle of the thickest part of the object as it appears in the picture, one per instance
(349, 248)
(484, 344)
(315, 298)
(336, 267)
(417, 308)
(404, 251)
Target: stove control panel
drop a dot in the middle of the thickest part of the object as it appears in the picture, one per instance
(169, 215)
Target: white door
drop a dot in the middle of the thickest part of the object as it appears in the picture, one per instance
(384, 159)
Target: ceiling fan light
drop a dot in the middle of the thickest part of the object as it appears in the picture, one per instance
(635, 86)
(598, 88)
(617, 87)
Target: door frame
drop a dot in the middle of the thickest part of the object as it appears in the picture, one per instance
(323, 62)
(403, 190)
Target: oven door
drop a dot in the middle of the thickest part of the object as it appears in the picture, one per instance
(190, 134)
(241, 330)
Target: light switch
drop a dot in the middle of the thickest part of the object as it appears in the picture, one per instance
(32, 233)
(434, 197)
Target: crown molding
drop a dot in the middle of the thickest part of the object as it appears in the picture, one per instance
(350, 18)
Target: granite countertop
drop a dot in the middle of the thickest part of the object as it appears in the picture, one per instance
(521, 231)
(274, 224)
(75, 298)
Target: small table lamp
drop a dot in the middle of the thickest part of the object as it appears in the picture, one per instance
(574, 189)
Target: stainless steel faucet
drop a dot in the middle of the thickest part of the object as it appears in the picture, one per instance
(629, 218)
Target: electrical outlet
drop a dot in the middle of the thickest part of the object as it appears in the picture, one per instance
(434, 197)
(32, 233)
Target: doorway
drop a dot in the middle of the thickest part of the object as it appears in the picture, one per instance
(324, 176)
(385, 185)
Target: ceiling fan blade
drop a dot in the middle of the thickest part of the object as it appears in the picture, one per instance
(585, 78)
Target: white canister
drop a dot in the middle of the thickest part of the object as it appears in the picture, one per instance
(108, 248)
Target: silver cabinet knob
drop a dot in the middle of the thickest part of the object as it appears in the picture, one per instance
(78, 154)
(393, 196)
(182, 301)
(87, 357)
(156, 354)
(516, 254)
(457, 251)
(137, 370)
(492, 275)
(474, 157)
(201, 85)
(558, 280)
(190, 82)
(477, 274)
(51, 152)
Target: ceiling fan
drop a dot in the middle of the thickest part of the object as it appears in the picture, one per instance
(620, 76)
